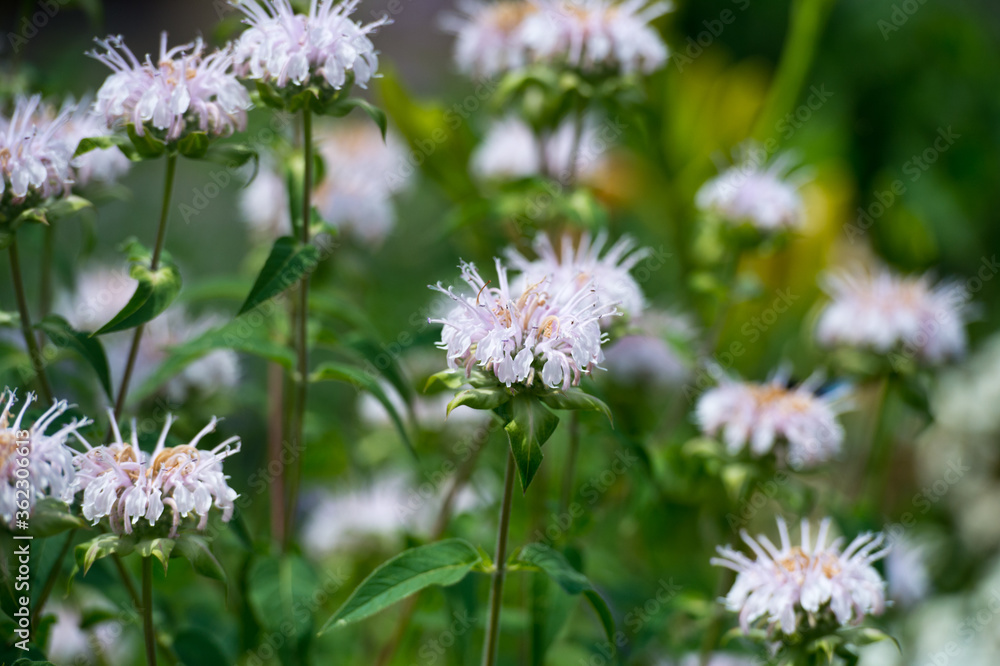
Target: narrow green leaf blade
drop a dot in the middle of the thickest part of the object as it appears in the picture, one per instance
(480, 398)
(90, 348)
(443, 563)
(154, 294)
(288, 262)
(575, 399)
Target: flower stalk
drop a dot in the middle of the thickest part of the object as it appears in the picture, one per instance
(147, 610)
(496, 588)
(26, 327)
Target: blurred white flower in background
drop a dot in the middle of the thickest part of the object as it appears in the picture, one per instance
(49, 461)
(101, 165)
(584, 261)
(906, 571)
(34, 156)
(789, 585)
(489, 35)
(282, 47)
(102, 292)
(757, 416)
(388, 507)
(507, 331)
(511, 150)
(184, 91)
(362, 174)
(880, 311)
(750, 192)
(596, 35)
(649, 354)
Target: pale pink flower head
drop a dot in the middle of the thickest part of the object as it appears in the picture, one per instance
(489, 36)
(804, 584)
(125, 484)
(883, 312)
(757, 416)
(284, 48)
(34, 157)
(34, 454)
(547, 326)
(578, 263)
(510, 150)
(765, 196)
(597, 35)
(184, 91)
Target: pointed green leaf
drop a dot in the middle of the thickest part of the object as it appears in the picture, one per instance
(194, 145)
(288, 262)
(600, 607)
(278, 589)
(363, 381)
(154, 294)
(480, 398)
(147, 146)
(451, 379)
(343, 107)
(531, 425)
(195, 549)
(443, 563)
(90, 348)
(66, 206)
(158, 548)
(575, 399)
(101, 546)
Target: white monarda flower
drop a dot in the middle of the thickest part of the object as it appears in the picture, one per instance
(48, 467)
(184, 91)
(597, 35)
(649, 354)
(759, 415)
(510, 150)
(581, 263)
(34, 158)
(282, 47)
(806, 583)
(103, 165)
(489, 35)
(884, 312)
(551, 324)
(123, 483)
(362, 174)
(766, 197)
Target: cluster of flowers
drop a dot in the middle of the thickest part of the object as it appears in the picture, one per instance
(547, 320)
(37, 143)
(589, 35)
(118, 480)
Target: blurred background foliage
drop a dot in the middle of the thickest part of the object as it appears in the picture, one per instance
(883, 84)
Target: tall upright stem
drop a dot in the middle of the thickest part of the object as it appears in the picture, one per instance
(496, 589)
(302, 327)
(26, 328)
(147, 610)
(154, 264)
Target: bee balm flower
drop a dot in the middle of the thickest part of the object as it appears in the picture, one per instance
(749, 193)
(596, 35)
(49, 462)
(489, 35)
(282, 47)
(761, 414)
(183, 91)
(811, 581)
(34, 158)
(512, 333)
(883, 312)
(125, 484)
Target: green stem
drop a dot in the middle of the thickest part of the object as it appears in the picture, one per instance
(50, 581)
(569, 469)
(147, 610)
(496, 589)
(154, 264)
(302, 328)
(807, 20)
(26, 328)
